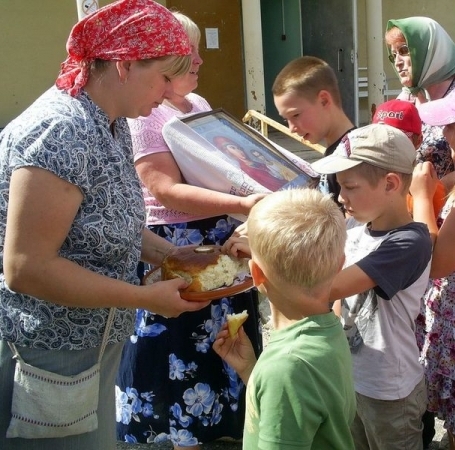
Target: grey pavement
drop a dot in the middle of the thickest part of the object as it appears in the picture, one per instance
(440, 440)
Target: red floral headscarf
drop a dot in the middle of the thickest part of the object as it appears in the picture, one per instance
(123, 30)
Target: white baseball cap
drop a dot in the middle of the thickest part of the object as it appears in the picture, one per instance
(380, 145)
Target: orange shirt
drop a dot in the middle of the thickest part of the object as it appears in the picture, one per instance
(439, 199)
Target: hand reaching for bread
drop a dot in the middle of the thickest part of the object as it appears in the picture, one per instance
(237, 245)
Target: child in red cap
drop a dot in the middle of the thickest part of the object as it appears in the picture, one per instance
(405, 116)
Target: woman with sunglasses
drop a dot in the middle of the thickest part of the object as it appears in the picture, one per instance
(423, 56)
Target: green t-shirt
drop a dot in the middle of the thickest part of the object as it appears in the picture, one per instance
(300, 394)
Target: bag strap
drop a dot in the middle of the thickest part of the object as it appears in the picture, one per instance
(14, 350)
(110, 320)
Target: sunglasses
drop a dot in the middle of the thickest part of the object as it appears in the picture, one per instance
(402, 51)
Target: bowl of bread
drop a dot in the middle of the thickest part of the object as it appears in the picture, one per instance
(210, 273)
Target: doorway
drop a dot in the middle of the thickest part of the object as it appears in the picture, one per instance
(281, 43)
(328, 33)
(221, 80)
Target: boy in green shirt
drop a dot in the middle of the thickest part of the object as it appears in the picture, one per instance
(300, 391)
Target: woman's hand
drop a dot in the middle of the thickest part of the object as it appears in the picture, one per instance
(162, 177)
(238, 351)
(423, 188)
(249, 201)
(165, 298)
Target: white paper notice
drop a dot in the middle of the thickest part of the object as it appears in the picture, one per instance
(211, 38)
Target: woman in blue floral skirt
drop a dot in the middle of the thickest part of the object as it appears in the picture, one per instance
(171, 384)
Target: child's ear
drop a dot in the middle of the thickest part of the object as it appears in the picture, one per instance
(257, 273)
(324, 97)
(393, 182)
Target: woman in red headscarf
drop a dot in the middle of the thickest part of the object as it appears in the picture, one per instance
(196, 397)
(72, 219)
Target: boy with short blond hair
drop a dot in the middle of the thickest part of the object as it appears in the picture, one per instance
(300, 391)
(384, 277)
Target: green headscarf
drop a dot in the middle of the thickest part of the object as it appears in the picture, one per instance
(431, 49)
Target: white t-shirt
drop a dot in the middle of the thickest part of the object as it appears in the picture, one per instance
(380, 323)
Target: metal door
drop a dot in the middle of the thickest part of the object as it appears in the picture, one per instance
(281, 42)
(328, 32)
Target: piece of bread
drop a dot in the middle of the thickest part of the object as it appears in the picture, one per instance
(235, 321)
(205, 268)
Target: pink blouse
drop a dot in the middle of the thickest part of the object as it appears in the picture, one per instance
(148, 139)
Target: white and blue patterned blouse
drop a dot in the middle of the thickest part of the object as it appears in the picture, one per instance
(71, 138)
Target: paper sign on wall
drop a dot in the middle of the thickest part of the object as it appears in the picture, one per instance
(211, 38)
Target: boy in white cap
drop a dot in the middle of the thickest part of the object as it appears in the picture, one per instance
(385, 275)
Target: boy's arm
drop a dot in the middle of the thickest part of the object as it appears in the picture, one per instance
(350, 281)
(401, 259)
(237, 245)
(424, 179)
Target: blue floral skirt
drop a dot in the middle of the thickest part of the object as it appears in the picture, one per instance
(171, 385)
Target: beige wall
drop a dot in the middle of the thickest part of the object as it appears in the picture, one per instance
(33, 36)
(32, 45)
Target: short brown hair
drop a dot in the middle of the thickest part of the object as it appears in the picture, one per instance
(307, 76)
(374, 174)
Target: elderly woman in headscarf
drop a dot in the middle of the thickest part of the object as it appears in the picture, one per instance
(72, 216)
(423, 56)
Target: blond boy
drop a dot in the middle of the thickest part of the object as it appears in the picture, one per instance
(300, 391)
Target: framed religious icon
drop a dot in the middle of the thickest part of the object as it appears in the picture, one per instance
(244, 147)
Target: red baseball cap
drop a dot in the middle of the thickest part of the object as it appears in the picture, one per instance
(399, 114)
